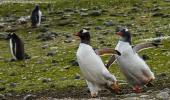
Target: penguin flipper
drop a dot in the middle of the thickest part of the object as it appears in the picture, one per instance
(106, 51)
(111, 60)
(142, 46)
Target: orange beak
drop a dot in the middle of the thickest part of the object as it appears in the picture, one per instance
(77, 34)
(119, 33)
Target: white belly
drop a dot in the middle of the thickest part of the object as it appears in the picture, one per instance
(133, 67)
(91, 65)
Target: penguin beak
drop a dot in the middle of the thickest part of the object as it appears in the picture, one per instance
(119, 33)
(77, 34)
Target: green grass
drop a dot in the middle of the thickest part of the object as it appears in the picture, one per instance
(29, 73)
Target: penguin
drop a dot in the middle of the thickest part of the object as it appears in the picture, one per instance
(93, 70)
(16, 46)
(134, 68)
(36, 17)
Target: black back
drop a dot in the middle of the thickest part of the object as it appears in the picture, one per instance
(18, 46)
(35, 16)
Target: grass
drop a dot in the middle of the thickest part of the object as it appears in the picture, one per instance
(28, 74)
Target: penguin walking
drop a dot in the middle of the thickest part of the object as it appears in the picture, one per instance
(93, 70)
(16, 46)
(36, 17)
(134, 68)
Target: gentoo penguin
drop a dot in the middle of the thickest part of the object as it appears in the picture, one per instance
(36, 16)
(93, 70)
(131, 64)
(16, 46)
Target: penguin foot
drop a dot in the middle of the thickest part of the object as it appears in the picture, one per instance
(149, 83)
(115, 87)
(94, 94)
(137, 89)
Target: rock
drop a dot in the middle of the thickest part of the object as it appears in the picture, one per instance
(68, 10)
(144, 96)
(13, 84)
(145, 57)
(46, 80)
(163, 96)
(64, 22)
(68, 40)
(167, 0)
(66, 67)
(95, 13)
(54, 61)
(74, 63)
(63, 78)
(29, 97)
(77, 76)
(45, 46)
(2, 97)
(108, 23)
(131, 98)
(2, 88)
(3, 36)
(135, 9)
(47, 36)
(157, 14)
(44, 29)
(24, 19)
(98, 28)
(84, 10)
(13, 74)
(83, 14)
(2, 25)
(51, 53)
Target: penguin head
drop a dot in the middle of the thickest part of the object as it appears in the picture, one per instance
(84, 36)
(37, 7)
(125, 34)
(11, 35)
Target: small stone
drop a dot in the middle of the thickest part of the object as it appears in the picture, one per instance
(29, 97)
(68, 40)
(47, 36)
(145, 57)
(74, 63)
(24, 19)
(131, 98)
(64, 22)
(13, 84)
(46, 80)
(63, 78)
(51, 53)
(66, 67)
(108, 23)
(2, 97)
(45, 46)
(98, 28)
(144, 96)
(83, 14)
(96, 13)
(13, 74)
(77, 76)
(163, 95)
(2, 88)
(157, 14)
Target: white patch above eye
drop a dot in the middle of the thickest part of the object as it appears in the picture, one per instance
(84, 30)
(126, 30)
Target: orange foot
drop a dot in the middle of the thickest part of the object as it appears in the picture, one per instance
(115, 88)
(137, 89)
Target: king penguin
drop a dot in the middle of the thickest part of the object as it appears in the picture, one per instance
(16, 46)
(134, 68)
(93, 70)
(36, 17)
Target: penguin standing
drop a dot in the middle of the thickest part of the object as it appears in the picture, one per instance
(93, 70)
(16, 46)
(131, 64)
(36, 17)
